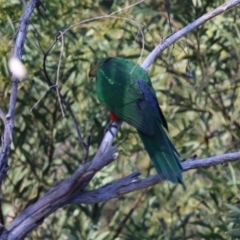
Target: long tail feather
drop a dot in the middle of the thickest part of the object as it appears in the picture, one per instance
(163, 154)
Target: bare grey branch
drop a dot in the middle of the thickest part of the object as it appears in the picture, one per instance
(182, 32)
(17, 52)
(132, 183)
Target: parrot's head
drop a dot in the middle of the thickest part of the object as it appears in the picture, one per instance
(95, 66)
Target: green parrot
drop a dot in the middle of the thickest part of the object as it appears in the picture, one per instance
(126, 90)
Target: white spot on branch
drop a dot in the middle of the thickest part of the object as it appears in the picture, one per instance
(17, 68)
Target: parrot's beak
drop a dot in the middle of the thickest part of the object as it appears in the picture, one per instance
(92, 73)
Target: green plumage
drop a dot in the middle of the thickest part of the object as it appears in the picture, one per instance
(126, 90)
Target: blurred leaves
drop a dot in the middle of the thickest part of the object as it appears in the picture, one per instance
(197, 84)
(233, 220)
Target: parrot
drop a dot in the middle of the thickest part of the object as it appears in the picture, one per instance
(127, 92)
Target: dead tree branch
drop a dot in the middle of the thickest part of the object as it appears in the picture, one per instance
(71, 190)
(182, 32)
(133, 183)
(9, 118)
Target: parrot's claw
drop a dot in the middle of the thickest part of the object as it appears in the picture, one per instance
(109, 127)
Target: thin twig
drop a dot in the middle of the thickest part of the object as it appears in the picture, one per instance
(24, 3)
(125, 219)
(7, 131)
(126, 8)
(41, 98)
(68, 107)
(2, 116)
(58, 72)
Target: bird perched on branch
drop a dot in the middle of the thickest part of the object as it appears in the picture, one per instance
(126, 90)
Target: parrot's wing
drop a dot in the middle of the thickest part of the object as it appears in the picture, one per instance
(126, 90)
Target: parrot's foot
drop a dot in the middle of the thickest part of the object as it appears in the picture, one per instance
(109, 127)
(194, 156)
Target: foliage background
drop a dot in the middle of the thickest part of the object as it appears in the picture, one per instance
(197, 83)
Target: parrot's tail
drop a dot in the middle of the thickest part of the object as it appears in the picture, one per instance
(163, 154)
